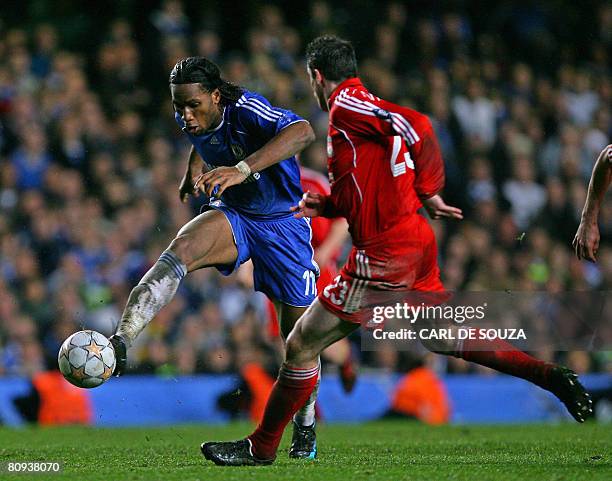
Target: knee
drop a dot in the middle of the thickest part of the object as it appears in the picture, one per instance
(298, 350)
(182, 247)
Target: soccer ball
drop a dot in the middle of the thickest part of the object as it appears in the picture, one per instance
(86, 359)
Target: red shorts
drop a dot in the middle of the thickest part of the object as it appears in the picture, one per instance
(382, 270)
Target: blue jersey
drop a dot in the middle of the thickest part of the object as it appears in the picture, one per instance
(246, 126)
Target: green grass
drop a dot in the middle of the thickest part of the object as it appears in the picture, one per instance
(389, 450)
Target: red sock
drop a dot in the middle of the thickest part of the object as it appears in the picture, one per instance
(289, 393)
(504, 357)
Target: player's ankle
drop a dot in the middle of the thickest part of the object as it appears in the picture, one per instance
(260, 450)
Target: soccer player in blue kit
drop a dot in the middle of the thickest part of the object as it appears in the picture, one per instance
(252, 178)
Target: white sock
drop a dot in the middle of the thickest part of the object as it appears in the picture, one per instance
(156, 289)
(306, 415)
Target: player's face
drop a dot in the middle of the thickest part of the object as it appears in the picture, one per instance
(201, 111)
(316, 83)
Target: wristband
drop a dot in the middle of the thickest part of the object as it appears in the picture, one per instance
(244, 168)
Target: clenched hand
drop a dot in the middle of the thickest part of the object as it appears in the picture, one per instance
(311, 205)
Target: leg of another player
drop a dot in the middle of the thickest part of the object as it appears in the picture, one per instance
(303, 440)
(288, 317)
(504, 357)
(305, 417)
(298, 375)
(205, 241)
(339, 353)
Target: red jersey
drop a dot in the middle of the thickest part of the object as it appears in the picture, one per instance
(381, 159)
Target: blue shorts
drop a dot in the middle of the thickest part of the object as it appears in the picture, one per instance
(283, 259)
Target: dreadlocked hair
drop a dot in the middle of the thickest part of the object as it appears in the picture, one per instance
(202, 71)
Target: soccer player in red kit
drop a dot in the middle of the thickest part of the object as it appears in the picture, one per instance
(384, 164)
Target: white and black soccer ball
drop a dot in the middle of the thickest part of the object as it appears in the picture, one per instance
(86, 359)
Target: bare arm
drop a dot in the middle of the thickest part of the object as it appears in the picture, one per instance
(586, 241)
(283, 145)
(288, 142)
(195, 167)
(600, 181)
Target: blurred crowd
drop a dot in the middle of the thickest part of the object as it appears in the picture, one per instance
(91, 159)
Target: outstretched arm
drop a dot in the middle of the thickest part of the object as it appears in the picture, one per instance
(285, 144)
(586, 241)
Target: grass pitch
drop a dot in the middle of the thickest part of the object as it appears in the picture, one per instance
(390, 450)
